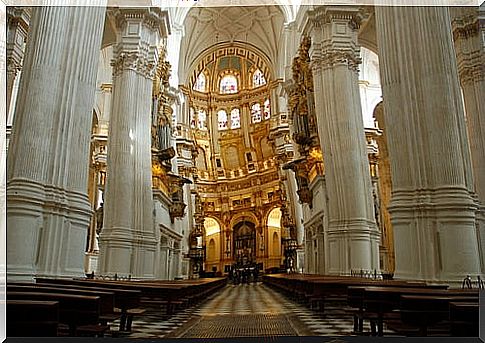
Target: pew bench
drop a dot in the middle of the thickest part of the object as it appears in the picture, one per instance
(464, 319)
(74, 310)
(29, 318)
(381, 303)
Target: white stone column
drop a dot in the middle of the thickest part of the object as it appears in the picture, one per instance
(352, 234)
(469, 38)
(432, 209)
(18, 25)
(48, 210)
(128, 239)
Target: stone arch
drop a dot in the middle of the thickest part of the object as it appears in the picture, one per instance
(249, 216)
(276, 212)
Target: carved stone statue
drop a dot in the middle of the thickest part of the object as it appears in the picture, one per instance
(99, 219)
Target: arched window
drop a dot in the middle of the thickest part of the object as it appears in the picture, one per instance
(228, 84)
(192, 118)
(200, 83)
(256, 113)
(258, 79)
(222, 119)
(235, 119)
(267, 109)
(202, 120)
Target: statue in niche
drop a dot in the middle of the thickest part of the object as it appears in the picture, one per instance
(377, 208)
(99, 219)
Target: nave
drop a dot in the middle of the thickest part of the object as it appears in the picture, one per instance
(245, 310)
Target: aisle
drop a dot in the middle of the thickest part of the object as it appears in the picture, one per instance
(256, 310)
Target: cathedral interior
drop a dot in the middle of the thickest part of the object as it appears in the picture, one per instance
(244, 171)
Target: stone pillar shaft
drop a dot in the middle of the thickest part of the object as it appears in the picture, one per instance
(128, 239)
(351, 238)
(470, 52)
(18, 21)
(48, 210)
(432, 210)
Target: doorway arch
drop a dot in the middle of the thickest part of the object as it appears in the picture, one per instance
(244, 243)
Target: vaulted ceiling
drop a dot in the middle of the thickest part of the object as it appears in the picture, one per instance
(260, 26)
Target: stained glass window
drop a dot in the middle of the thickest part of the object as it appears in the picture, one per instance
(192, 118)
(200, 83)
(202, 120)
(228, 84)
(256, 113)
(235, 119)
(222, 119)
(267, 109)
(258, 79)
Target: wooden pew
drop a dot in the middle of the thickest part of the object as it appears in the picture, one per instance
(106, 303)
(170, 294)
(380, 301)
(126, 301)
(424, 311)
(28, 318)
(152, 293)
(464, 319)
(74, 310)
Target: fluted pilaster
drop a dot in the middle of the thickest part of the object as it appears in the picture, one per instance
(48, 209)
(128, 239)
(432, 209)
(351, 238)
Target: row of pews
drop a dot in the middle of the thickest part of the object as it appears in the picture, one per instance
(409, 308)
(86, 307)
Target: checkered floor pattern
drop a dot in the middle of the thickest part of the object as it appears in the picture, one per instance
(244, 310)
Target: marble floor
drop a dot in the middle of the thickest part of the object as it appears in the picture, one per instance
(252, 310)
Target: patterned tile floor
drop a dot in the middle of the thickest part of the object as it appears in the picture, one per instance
(244, 311)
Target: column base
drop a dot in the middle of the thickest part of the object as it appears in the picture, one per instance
(351, 245)
(436, 235)
(121, 255)
(47, 229)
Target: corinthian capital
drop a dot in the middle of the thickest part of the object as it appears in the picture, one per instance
(334, 32)
(133, 61)
(139, 34)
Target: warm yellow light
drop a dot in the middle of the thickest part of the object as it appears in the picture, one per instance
(316, 154)
(211, 226)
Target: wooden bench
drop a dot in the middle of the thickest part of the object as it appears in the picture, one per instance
(74, 310)
(29, 318)
(378, 302)
(106, 303)
(424, 311)
(464, 319)
(124, 299)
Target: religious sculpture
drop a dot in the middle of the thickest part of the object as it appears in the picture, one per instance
(162, 114)
(301, 100)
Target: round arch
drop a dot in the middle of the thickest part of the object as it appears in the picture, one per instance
(273, 217)
(245, 215)
(237, 48)
(212, 226)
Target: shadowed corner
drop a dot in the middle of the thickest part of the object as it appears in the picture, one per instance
(481, 314)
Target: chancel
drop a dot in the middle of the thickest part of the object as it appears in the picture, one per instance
(235, 171)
